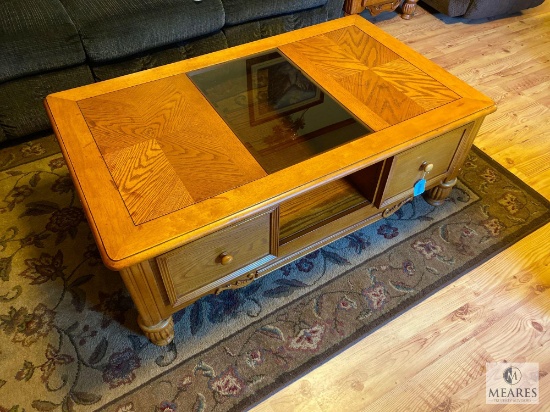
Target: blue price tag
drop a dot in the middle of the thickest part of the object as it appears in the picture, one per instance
(419, 187)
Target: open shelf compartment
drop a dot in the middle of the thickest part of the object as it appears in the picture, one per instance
(312, 210)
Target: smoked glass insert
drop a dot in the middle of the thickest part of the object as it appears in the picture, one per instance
(277, 112)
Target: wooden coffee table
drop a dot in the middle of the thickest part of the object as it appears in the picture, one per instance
(203, 175)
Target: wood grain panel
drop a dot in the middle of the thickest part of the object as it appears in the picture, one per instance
(415, 84)
(357, 44)
(328, 56)
(128, 116)
(356, 78)
(381, 97)
(158, 150)
(208, 165)
(396, 90)
(147, 182)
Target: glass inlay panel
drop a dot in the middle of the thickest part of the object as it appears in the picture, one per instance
(279, 114)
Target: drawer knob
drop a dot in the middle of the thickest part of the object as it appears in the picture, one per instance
(427, 167)
(226, 258)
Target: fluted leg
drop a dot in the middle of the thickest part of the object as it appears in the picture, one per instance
(438, 194)
(153, 317)
(160, 334)
(408, 9)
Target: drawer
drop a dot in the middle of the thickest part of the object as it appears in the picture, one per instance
(197, 267)
(407, 167)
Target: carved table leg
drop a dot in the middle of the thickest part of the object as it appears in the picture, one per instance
(438, 194)
(153, 318)
(160, 334)
(408, 9)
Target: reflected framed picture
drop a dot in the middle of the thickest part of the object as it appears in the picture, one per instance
(276, 88)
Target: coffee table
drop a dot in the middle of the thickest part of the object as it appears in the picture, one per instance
(203, 175)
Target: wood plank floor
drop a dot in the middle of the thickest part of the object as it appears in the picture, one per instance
(426, 359)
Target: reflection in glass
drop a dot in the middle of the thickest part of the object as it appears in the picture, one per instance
(278, 113)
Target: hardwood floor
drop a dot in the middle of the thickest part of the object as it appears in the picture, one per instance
(426, 359)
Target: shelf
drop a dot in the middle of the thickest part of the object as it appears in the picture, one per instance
(327, 203)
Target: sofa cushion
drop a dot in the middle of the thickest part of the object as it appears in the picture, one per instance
(335, 9)
(241, 11)
(22, 100)
(181, 51)
(113, 29)
(260, 29)
(35, 36)
(483, 8)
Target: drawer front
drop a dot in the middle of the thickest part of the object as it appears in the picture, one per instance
(407, 167)
(196, 267)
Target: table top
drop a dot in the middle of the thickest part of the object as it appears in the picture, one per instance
(167, 155)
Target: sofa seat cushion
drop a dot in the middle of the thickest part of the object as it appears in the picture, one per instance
(261, 29)
(241, 11)
(160, 57)
(22, 109)
(114, 29)
(36, 36)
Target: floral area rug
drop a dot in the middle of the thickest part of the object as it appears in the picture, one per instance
(69, 339)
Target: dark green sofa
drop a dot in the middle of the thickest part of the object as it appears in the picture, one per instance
(52, 45)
